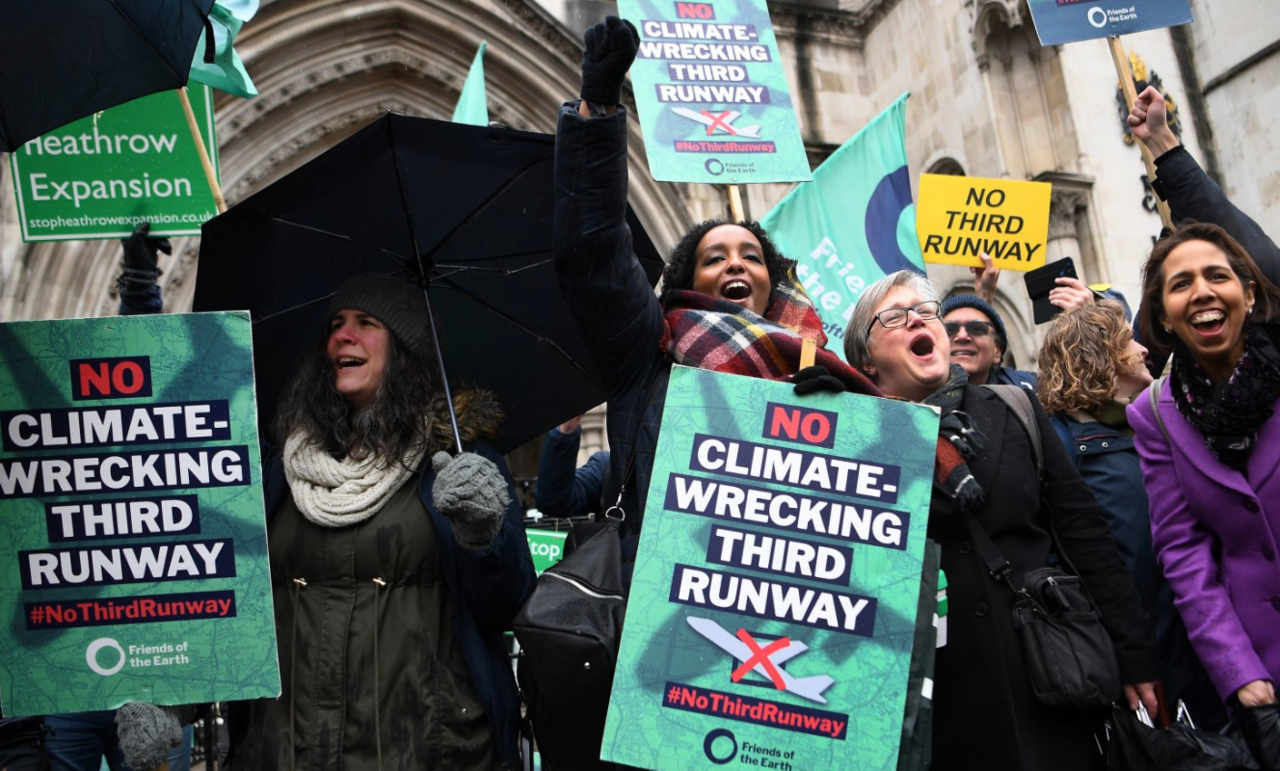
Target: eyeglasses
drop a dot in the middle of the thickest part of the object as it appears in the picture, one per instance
(972, 328)
(891, 318)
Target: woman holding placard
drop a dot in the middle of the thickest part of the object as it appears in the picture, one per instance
(987, 481)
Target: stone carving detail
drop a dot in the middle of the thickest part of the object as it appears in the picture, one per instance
(1063, 208)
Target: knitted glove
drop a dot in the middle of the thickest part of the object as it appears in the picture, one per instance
(471, 492)
(611, 47)
(146, 734)
(814, 379)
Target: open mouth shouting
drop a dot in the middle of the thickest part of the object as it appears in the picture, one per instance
(736, 290)
(1208, 323)
(923, 346)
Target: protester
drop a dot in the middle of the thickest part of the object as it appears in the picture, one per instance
(723, 277)
(561, 491)
(138, 736)
(1211, 450)
(1090, 369)
(395, 568)
(979, 342)
(986, 715)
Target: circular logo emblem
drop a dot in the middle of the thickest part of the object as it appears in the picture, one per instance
(708, 746)
(714, 167)
(1098, 17)
(91, 656)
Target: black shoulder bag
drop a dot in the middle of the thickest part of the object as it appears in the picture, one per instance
(1070, 659)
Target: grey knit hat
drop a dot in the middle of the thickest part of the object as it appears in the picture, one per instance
(983, 307)
(395, 302)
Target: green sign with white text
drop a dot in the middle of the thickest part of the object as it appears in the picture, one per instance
(546, 547)
(100, 176)
(131, 513)
(712, 94)
(773, 603)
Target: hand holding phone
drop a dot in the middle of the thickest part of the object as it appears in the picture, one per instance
(1043, 280)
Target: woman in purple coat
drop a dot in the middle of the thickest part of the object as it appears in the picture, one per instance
(1211, 451)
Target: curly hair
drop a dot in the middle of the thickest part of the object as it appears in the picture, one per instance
(394, 422)
(1151, 310)
(682, 263)
(1082, 354)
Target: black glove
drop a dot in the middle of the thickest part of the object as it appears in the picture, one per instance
(611, 47)
(811, 380)
(141, 253)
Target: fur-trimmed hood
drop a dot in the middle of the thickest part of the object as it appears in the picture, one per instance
(479, 416)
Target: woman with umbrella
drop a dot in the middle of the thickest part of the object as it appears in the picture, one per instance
(395, 568)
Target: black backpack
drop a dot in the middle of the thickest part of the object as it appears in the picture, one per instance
(569, 630)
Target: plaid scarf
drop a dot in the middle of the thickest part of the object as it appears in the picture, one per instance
(958, 443)
(718, 335)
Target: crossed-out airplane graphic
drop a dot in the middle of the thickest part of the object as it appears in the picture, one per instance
(719, 121)
(810, 688)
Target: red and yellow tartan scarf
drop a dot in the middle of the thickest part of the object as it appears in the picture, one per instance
(707, 333)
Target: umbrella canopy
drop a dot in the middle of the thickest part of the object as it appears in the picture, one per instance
(61, 60)
(472, 205)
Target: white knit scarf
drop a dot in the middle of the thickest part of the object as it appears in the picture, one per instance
(337, 493)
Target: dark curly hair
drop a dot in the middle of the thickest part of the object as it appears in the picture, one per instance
(386, 429)
(682, 263)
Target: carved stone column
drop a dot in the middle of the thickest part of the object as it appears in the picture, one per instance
(1064, 234)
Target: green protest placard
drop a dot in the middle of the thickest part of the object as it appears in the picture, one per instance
(1068, 21)
(131, 512)
(770, 617)
(100, 176)
(546, 547)
(712, 95)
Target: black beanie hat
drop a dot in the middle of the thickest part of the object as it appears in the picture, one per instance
(395, 302)
(983, 307)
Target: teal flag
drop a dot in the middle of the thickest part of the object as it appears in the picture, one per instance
(854, 223)
(472, 108)
(226, 72)
(773, 604)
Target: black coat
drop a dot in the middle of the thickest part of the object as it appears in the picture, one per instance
(986, 714)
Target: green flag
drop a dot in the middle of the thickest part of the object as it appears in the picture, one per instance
(854, 223)
(226, 72)
(472, 108)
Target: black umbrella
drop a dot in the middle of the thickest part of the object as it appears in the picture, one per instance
(61, 60)
(473, 206)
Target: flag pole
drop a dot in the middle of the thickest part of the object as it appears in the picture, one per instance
(218, 200)
(1125, 73)
(735, 203)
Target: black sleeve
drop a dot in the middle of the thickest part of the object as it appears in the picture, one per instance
(1088, 545)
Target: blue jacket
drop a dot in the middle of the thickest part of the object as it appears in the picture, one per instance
(1007, 376)
(489, 587)
(1106, 458)
(563, 491)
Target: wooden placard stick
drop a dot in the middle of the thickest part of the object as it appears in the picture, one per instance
(1125, 73)
(735, 203)
(218, 200)
(808, 352)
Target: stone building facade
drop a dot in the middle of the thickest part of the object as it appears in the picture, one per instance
(987, 100)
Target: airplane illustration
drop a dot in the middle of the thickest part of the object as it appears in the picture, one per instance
(810, 688)
(720, 121)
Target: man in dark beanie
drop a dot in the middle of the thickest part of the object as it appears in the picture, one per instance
(979, 341)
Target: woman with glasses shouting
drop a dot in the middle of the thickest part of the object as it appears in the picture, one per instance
(987, 480)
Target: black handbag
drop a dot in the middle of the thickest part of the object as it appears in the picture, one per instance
(1134, 744)
(1069, 658)
(569, 630)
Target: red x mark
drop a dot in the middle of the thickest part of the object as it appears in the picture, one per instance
(718, 121)
(761, 656)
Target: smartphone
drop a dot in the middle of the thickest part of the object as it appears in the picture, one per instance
(1040, 281)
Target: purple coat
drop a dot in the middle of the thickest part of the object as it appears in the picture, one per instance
(1201, 508)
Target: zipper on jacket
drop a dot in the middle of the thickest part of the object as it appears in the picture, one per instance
(575, 583)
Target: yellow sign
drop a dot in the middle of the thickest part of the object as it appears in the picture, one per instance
(958, 217)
